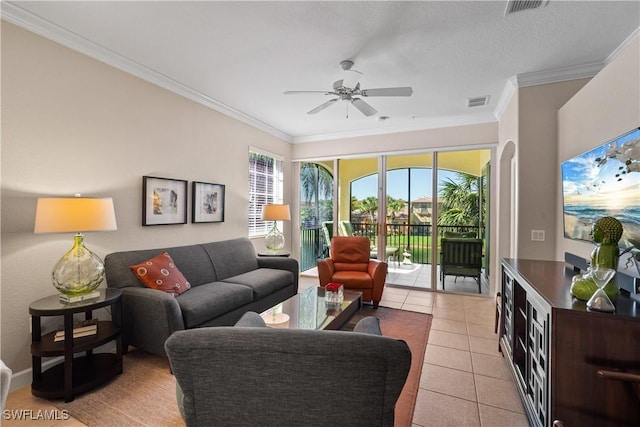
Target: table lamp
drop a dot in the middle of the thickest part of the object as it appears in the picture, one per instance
(79, 272)
(274, 240)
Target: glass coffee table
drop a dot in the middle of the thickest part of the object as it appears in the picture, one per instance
(308, 310)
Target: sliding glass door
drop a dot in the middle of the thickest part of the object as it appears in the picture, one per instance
(404, 204)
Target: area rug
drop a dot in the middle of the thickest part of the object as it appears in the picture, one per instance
(144, 395)
(413, 328)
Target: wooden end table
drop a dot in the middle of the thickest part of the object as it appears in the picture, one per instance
(79, 374)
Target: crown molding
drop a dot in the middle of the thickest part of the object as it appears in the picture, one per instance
(613, 55)
(422, 124)
(12, 13)
(558, 75)
(508, 91)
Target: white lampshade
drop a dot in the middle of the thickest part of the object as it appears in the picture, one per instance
(276, 213)
(74, 215)
(79, 271)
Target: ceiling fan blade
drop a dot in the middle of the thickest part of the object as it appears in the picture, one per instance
(322, 106)
(365, 108)
(387, 91)
(351, 78)
(298, 92)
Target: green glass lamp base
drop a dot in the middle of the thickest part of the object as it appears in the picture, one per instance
(79, 271)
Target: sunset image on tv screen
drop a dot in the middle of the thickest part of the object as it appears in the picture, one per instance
(603, 182)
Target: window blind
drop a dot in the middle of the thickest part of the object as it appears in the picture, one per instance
(265, 188)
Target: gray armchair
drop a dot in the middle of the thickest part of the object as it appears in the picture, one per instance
(5, 382)
(251, 375)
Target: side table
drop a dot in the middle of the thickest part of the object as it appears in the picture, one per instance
(283, 254)
(75, 374)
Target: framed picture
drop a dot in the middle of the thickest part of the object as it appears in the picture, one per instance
(164, 201)
(207, 202)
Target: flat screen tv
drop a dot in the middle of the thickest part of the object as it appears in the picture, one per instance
(603, 182)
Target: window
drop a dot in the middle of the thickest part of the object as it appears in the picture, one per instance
(316, 195)
(265, 188)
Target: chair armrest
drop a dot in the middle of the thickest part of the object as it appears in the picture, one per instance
(368, 325)
(326, 268)
(377, 270)
(251, 320)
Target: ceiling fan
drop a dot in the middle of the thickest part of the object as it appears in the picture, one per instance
(348, 89)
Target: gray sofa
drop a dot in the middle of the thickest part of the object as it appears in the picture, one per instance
(251, 375)
(227, 280)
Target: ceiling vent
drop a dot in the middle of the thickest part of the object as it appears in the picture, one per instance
(514, 6)
(478, 101)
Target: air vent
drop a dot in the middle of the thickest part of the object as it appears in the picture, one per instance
(478, 101)
(514, 6)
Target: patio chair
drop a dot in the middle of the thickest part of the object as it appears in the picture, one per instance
(461, 258)
(327, 233)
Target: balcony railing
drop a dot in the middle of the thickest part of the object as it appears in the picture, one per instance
(415, 239)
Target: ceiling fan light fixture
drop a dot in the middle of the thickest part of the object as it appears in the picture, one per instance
(346, 64)
(348, 89)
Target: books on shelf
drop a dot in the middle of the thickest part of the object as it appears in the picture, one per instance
(84, 328)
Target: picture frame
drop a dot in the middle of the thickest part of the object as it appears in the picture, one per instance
(164, 201)
(207, 202)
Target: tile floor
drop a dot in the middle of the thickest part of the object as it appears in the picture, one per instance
(418, 276)
(465, 381)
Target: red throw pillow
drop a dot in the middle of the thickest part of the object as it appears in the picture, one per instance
(161, 273)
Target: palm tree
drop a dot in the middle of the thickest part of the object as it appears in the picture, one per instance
(369, 206)
(316, 192)
(460, 201)
(394, 205)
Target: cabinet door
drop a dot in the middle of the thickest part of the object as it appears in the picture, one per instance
(537, 361)
(584, 343)
(507, 311)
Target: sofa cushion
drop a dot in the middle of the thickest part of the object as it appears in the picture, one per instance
(205, 302)
(232, 257)
(160, 272)
(263, 281)
(193, 262)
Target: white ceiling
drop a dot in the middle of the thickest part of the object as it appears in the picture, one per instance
(239, 57)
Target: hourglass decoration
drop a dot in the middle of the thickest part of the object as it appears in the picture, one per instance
(600, 301)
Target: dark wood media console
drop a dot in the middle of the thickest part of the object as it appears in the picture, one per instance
(570, 364)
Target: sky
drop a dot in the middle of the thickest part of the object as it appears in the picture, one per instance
(586, 180)
(398, 183)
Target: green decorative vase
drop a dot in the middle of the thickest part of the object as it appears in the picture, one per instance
(79, 271)
(606, 232)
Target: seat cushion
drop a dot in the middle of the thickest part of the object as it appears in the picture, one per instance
(205, 302)
(263, 281)
(353, 279)
(356, 266)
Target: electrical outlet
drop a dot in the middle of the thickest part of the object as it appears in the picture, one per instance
(537, 235)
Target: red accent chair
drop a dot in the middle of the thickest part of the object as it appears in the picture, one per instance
(350, 265)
